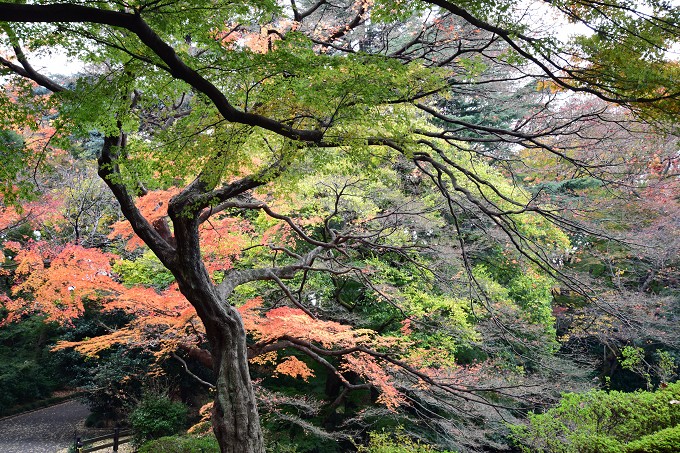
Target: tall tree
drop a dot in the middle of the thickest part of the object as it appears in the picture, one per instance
(230, 99)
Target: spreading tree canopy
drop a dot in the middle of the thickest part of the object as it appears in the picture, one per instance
(216, 122)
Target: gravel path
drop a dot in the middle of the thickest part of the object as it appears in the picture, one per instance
(42, 431)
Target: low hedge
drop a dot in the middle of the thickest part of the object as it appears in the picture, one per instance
(181, 444)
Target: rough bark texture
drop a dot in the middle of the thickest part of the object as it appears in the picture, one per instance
(235, 419)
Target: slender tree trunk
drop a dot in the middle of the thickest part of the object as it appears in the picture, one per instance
(648, 281)
(235, 420)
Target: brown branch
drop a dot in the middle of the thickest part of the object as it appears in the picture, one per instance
(203, 356)
(515, 40)
(355, 22)
(262, 206)
(26, 70)
(109, 172)
(188, 371)
(236, 277)
(290, 295)
(12, 12)
(290, 342)
(298, 15)
(465, 393)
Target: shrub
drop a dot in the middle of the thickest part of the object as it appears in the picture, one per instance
(115, 383)
(23, 382)
(181, 444)
(664, 441)
(600, 421)
(157, 416)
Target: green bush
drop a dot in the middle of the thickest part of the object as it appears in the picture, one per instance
(114, 382)
(181, 444)
(23, 382)
(157, 416)
(28, 373)
(664, 441)
(597, 444)
(599, 421)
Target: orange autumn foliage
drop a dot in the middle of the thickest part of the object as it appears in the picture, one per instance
(222, 239)
(162, 323)
(153, 206)
(56, 281)
(165, 321)
(294, 367)
(46, 210)
(370, 370)
(257, 41)
(285, 322)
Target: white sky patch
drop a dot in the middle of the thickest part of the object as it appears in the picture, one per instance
(547, 20)
(50, 62)
(55, 62)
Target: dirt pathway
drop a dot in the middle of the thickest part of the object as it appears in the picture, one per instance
(42, 431)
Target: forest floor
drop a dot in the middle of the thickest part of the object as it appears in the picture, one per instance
(45, 430)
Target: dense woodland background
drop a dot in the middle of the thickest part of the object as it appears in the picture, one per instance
(443, 227)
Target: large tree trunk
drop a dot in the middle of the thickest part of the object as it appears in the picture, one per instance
(235, 419)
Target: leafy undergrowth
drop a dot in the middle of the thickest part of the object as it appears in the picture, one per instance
(181, 444)
(600, 421)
